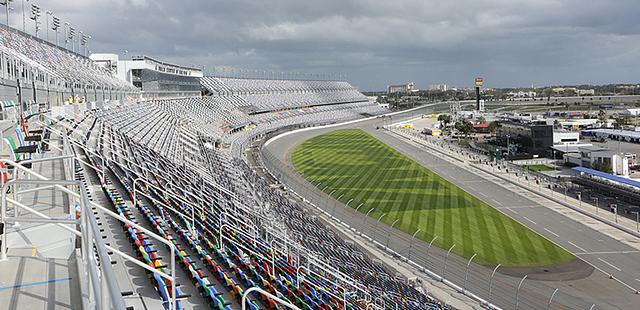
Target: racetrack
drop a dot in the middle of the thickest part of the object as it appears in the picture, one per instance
(577, 290)
(356, 168)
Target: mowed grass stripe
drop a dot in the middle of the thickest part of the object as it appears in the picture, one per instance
(364, 169)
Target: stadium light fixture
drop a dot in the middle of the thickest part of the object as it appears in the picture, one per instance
(55, 27)
(35, 14)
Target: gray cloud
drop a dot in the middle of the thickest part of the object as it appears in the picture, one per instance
(509, 42)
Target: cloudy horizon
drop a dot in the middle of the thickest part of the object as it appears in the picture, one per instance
(511, 43)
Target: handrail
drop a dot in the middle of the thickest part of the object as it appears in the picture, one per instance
(107, 275)
(265, 293)
(172, 277)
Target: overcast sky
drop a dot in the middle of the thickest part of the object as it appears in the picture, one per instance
(376, 42)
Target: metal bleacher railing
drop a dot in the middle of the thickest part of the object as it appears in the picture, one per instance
(104, 291)
(348, 287)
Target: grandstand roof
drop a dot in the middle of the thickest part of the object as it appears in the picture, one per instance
(608, 176)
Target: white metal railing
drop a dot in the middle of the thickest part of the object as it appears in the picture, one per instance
(85, 225)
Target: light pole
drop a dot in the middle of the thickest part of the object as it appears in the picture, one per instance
(7, 4)
(335, 205)
(35, 14)
(466, 273)
(360, 205)
(375, 227)
(551, 299)
(596, 199)
(24, 22)
(491, 281)
(637, 213)
(366, 216)
(580, 199)
(411, 242)
(444, 268)
(518, 290)
(389, 234)
(48, 13)
(66, 35)
(55, 27)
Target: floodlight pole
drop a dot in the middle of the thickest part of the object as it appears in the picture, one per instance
(551, 299)
(335, 205)
(444, 269)
(466, 273)
(491, 281)
(518, 290)
(389, 234)
(366, 216)
(411, 242)
(375, 227)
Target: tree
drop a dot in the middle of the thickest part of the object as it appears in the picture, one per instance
(602, 116)
(493, 127)
(465, 127)
(556, 124)
(445, 119)
(482, 120)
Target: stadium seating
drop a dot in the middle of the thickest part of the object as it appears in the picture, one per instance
(151, 139)
(259, 95)
(69, 69)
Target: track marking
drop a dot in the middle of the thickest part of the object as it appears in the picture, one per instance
(528, 219)
(516, 212)
(610, 265)
(607, 252)
(579, 248)
(482, 194)
(549, 231)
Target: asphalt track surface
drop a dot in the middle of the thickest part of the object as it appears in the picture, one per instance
(579, 289)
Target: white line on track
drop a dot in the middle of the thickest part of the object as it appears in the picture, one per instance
(610, 265)
(516, 212)
(549, 231)
(638, 280)
(482, 194)
(496, 202)
(579, 248)
(528, 219)
(607, 252)
(471, 188)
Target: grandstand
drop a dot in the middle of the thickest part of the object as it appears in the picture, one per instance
(262, 95)
(152, 203)
(42, 72)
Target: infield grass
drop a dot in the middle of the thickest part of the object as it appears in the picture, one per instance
(355, 165)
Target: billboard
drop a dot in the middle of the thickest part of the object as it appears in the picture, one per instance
(479, 82)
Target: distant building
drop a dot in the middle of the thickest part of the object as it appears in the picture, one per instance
(438, 87)
(632, 112)
(573, 91)
(403, 88)
(522, 94)
(602, 159)
(586, 92)
(561, 137)
(155, 79)
(532, 140)
(482, 128)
